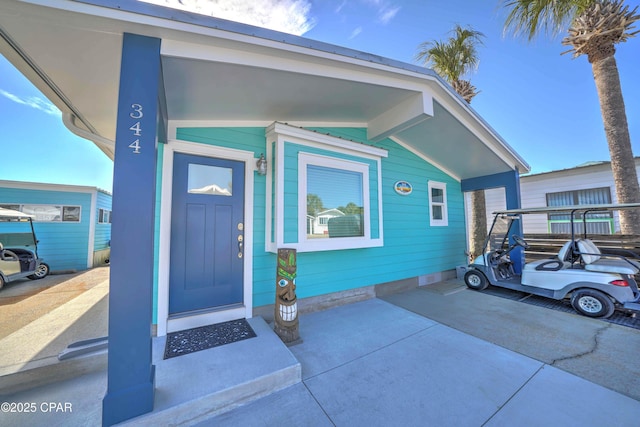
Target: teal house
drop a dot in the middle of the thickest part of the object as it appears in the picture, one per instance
(72, 222)
(231, 142)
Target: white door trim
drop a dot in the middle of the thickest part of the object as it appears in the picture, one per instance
(164, 324)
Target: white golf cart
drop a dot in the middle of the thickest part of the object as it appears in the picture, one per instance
(597, 283)
(19, 261)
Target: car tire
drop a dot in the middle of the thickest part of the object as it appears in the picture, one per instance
(1, 281)
(41, 272)
(592, 303)
(476, 280)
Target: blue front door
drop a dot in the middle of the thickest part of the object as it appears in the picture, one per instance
(207, 234)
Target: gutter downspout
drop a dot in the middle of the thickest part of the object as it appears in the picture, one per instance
(106, 145)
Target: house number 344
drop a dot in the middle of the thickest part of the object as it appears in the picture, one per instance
(136, 113)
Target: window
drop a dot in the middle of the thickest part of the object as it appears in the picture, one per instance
(104, 216)
(213, 180)
(49, 213)
(438, 204)
(71, 213)
(332, 202)
(597, 222)
(324, 192)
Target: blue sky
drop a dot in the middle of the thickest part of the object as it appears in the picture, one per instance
(543, 104)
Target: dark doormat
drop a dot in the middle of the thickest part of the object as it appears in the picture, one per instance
(196, 339)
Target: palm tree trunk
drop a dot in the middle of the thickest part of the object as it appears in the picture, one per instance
(607, 79)
(478, 224)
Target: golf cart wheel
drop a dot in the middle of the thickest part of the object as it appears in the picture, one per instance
(475, 280)
(592, 303)
(41, 272)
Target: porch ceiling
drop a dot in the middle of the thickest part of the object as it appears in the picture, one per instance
(211, 75)
(208, 90)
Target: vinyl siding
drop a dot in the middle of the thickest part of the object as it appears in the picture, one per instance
(411, 246)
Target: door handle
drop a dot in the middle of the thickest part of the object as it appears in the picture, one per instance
(240, 246)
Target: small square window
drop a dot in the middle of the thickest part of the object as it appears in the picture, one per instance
(438, 204)
(104, 216)
(71, 213)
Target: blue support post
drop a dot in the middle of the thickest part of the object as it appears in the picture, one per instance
(510, 180)
(131, 374)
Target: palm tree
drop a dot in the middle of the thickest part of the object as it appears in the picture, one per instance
(595, 27)
(453, 59)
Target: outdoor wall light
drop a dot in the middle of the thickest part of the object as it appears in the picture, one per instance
(262, 165)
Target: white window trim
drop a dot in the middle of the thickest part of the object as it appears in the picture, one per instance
(61, 205)
(106, 212)
(278, 135)
(445, 213)
(308, 245)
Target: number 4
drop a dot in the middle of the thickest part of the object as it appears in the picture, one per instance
(136, 129)
(136, 146)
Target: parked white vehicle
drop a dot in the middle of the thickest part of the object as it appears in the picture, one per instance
(597, 283)
(19, 261)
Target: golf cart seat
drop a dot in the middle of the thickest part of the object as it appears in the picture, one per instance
(595, 260)
(559, 262)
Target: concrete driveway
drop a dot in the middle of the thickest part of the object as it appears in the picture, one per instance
(598, 351)
(40, 318)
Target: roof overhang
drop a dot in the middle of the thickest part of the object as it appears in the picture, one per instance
(222, 73)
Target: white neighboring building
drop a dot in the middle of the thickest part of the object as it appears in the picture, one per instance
(320, 223)
(590, 183)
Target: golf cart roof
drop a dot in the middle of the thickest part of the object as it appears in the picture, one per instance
(8, 214)
(575, 208)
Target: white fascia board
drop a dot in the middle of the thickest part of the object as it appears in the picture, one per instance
(405, 115)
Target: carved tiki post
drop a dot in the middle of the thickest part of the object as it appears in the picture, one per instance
(286, 307)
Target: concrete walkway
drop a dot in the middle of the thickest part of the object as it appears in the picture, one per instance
(374, 363)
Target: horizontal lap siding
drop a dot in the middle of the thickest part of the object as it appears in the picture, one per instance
(411, 246)
(62, 245)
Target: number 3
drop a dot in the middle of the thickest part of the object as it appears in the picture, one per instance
(137, 111)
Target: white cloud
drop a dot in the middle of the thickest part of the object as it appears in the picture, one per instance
(355, 32)
(386, 14)
(339, 8)
(385, 10)
(288, 16)
(33, 102)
